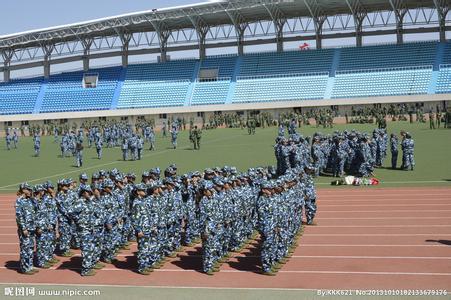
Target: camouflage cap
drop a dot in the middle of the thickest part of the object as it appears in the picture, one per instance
(108, 183)
(25, 186)
(48, 185)
(38, 188)
(85, 188)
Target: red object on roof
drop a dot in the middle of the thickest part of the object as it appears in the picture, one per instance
(304, 46)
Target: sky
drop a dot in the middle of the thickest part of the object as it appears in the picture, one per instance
(24, 15)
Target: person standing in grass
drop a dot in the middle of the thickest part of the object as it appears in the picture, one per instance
(196, 136)
(408, 146)
(99, 146)
(79, 154)
(15, 139)
(37, 144)
(394, 142)
(431, 120)
(174, 132)
(8, 140)
(438, 118)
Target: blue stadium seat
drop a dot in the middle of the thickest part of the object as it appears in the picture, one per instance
(388, 56)
(156, 85)
(19, 95)
(302, 87)
(210, 92)
(382, 82)
(225, 64)
(274, 63)
(65, 91)
(382, 70)
(444, 80)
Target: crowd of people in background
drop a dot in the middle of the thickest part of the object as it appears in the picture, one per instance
(347, 152)
(341, 151)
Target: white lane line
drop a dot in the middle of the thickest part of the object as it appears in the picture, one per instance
(368, 205)
(376, 226)
(392, 196)
(248, 271)
(405, 202)
(149, 286)
(306, 234)
(383, 218)
(310, 272)
(341, 257)
(110, 163)
(348, 226)
(338, 245)
(382, 205)
(385, 211)
(369, 245)
(394, 182)
(294, 256)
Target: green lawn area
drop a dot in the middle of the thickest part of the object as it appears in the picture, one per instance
(233, 147)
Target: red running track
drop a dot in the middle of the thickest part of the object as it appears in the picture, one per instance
(364, 239)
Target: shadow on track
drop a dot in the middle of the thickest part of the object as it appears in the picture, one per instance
(443, 242)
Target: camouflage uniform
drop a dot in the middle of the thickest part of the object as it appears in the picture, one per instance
(26, 227)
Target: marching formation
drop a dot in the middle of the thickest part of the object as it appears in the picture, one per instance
(220, 207)
(349, 152)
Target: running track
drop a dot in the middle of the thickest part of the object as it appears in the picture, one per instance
(365, 238)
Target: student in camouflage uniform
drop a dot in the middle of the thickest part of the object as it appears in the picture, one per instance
(196, 137)
(26, 227)
(8, 140)
(37, 144)
(83, 212)
(51, 209)
(174, 132)
(64, 203)
(408, 146)
(209, 227)
(43, 228)
(394, 150)
(110, 207)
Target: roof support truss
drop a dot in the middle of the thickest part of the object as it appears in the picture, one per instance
(197, 25)
(202, 29)
(442, 7)
(359, 13)
(279, 21)
(239, 23)
(400, 9)
(319, 17)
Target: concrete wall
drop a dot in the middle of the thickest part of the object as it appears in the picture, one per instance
(189, 110)
(275, 108)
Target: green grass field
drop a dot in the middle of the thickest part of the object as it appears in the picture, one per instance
(233, 147)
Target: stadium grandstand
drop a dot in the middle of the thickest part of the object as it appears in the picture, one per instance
(313, 76)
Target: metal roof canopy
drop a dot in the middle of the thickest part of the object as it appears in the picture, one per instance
(207, 21)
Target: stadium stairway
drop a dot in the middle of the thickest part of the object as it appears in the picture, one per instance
(233, 80)
(189, 93)
(117, 91)
(440, 53)
(40, 98)
(333, 69)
